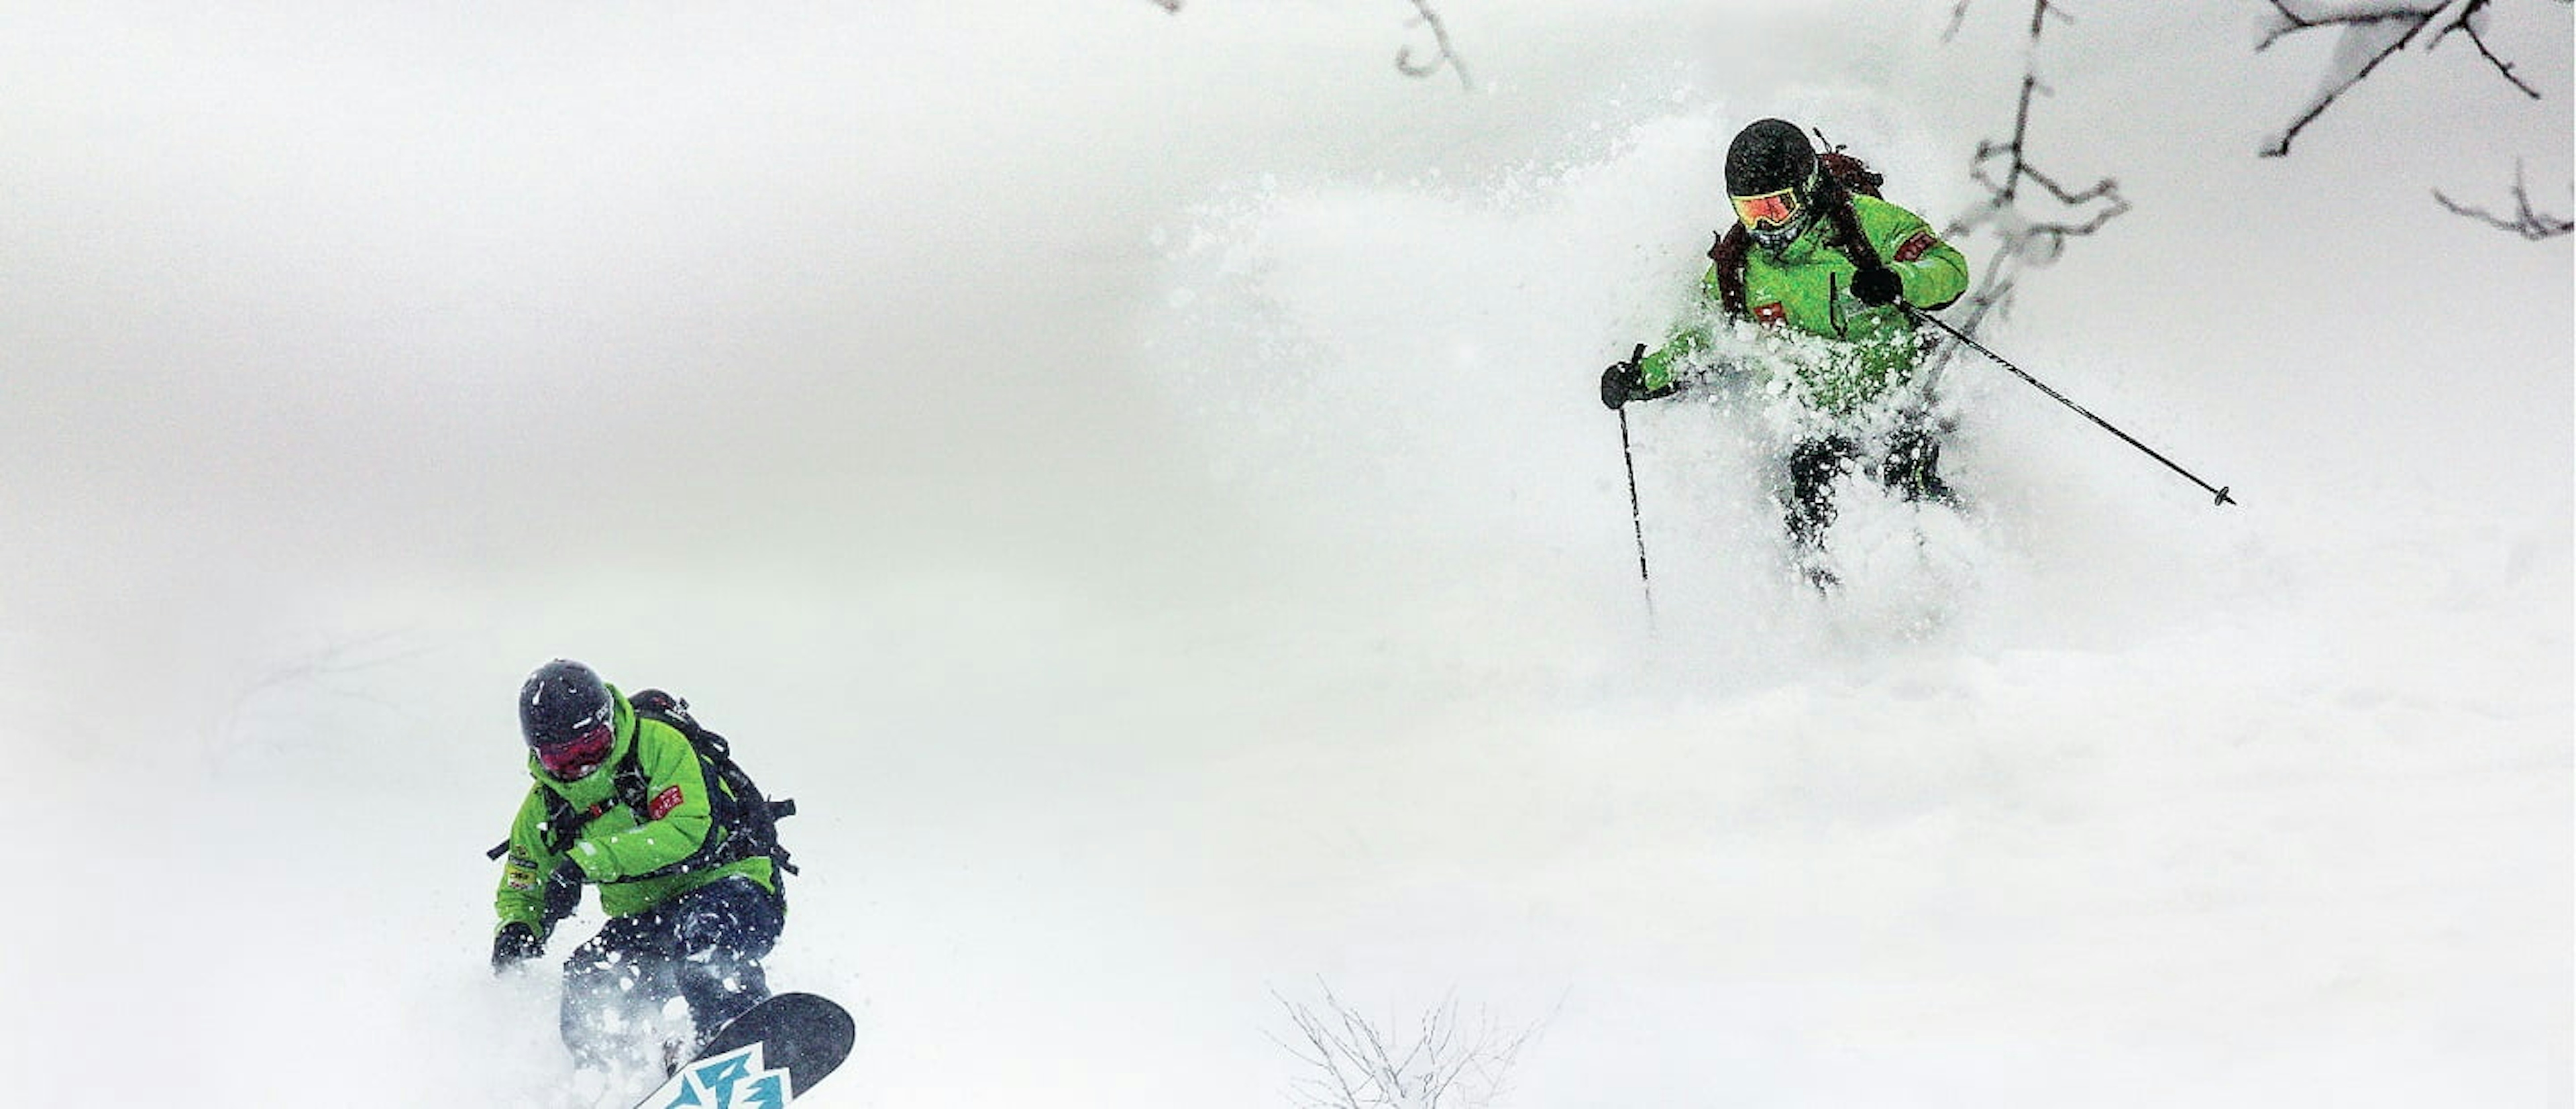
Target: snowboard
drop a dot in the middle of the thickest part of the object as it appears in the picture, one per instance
(764, 1059)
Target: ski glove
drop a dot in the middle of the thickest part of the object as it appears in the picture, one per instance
(514, 944)
(1877, 286)
(1626, 381)
(563, 893)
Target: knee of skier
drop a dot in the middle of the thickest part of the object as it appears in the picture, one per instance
(733, 915)
(1815, 464)
(1912, 467)
(707, 934)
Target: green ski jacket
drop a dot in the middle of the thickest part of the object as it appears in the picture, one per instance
(1807, 287)
(633, 856)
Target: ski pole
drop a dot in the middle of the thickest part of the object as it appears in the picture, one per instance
(2219, 492)
(1636, 519)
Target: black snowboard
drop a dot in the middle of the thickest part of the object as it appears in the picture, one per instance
(803, 1035)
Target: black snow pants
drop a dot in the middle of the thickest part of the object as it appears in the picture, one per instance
(1910, 467)
(704, 947)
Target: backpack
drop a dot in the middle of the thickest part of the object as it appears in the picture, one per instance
(1843, 175)
(749, 818)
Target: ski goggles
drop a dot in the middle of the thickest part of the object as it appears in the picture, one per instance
(576, 757)
(1769, 211)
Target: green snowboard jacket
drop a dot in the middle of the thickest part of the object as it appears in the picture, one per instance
(1868, 351)
(634, 855)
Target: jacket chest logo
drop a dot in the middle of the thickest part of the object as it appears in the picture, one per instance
(1774, 312)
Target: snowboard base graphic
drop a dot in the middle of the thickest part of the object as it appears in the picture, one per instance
(764, 1059)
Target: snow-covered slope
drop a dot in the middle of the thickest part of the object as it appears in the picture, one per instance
(1137, 483)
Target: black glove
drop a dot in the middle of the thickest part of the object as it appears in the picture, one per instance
(563, 892)
(514, 944)
(1877, 286)
(1626, 381)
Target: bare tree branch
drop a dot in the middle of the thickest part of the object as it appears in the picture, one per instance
(2470, 21)
(1445, 55)
(2369, 38)
(1351, 1064)
(2372, 31)
(2039, 14)
(2527, 222)
(2027, 237)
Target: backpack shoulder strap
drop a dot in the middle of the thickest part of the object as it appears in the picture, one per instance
(564, 823)
(1853, 173)
(1727, 256)
(1848, 236)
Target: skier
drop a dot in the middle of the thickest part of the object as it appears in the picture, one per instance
(626, 802)
(1811, 254)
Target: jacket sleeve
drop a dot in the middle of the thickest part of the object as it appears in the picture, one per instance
(1681, 348)
(676, 818)
(522, 896)
(1934, 272)
(1656, 369)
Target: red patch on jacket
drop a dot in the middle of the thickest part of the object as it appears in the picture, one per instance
(1773, 312)
(1916, 247)
(663, 803)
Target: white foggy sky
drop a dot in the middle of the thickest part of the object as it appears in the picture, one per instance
(321, 299)
(330, 298)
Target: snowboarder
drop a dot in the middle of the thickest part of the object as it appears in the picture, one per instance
(625, 801)
(1814, 250)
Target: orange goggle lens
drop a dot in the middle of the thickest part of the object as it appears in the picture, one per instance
(1768, 210)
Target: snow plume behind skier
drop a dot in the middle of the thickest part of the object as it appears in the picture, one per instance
(1395, 352)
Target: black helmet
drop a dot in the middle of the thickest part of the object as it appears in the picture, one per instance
(1771, 176)
(568, 718)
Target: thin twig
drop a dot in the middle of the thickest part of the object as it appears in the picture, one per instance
(1446, 55)
(2467, 23)
(2002, 167)
(1351, 1064)
(2359, 29)
(2380, 34)
(2527, 222)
